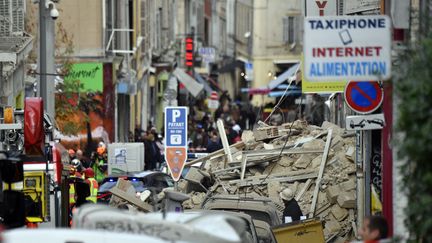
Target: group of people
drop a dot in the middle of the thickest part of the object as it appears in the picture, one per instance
(85, 176)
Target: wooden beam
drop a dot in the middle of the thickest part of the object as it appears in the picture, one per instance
(243, 166)
(276, 175)
(264, 181)
(238, 145)
(320, 173)
(248, 164)
(278, 151)
(304, 189)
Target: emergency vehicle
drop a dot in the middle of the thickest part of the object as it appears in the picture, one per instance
(34, 168)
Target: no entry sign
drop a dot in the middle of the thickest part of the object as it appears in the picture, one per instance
(363, 97)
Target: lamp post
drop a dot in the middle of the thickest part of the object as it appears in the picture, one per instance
(47, 15)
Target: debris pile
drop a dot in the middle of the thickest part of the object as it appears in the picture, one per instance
(292, 155)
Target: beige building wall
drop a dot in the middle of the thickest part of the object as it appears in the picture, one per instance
(83, 20)
(269, 44)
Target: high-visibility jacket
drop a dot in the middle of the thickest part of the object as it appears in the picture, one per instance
(94, 186)
(99, 174)
(71, 193)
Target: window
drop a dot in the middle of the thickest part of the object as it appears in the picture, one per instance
(289, 29)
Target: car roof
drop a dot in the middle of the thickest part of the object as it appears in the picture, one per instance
(74, 235)
(135, 174)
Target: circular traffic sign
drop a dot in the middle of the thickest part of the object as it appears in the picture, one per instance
(363, 97)
(214, 95)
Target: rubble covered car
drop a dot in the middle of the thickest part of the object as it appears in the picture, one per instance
(294, 155)
(178, 227)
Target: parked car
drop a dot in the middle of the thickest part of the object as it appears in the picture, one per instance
(247, 234)
(195, 227)
(262, 210)
(154, 181)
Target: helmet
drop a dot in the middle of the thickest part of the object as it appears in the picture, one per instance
(287, 194)
(88, 172)
(76, 163)
(101, 144)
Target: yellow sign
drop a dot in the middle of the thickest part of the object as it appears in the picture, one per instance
(321, 86)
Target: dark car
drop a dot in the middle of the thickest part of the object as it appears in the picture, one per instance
(262, 210)
(154, 181)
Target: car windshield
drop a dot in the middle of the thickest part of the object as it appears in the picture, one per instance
(110, 183)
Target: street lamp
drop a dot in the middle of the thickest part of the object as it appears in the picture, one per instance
(46, 55)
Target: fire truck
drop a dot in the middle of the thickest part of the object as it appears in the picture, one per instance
(34, 168)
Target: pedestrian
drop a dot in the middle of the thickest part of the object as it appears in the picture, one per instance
(93, 184)
(152, 155)
(292, 211)
(214, 143)
(236, 134)
(374, 229)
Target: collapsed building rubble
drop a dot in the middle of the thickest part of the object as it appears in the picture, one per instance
(317, 163)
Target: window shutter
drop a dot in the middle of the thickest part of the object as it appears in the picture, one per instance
(285, 29)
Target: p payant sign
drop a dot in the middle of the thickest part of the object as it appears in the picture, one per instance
(176, 139)
(347, 47)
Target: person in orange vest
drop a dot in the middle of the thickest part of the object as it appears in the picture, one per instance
(94, 186)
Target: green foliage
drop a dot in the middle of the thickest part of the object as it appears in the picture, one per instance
(414, 88)
(70, 101)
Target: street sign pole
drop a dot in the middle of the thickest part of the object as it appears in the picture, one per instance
(360, 185)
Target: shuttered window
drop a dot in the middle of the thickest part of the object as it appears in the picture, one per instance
(289, 29)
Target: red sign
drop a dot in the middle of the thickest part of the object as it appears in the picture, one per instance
(363, 97)
(214, 95)
(176, 158)
(189, 51)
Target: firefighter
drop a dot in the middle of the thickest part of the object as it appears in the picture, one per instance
(94, 186)
(100, 163)
(76, 163)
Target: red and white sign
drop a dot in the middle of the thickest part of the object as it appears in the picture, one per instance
(363, 97)
(347, 48)
(213, 102)
(321, 7)
(214, 95)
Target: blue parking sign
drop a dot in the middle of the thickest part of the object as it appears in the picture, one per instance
(176, 126)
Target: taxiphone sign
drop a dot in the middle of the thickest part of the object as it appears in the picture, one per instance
(347, 47)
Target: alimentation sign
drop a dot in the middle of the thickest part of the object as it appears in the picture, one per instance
(347, 48)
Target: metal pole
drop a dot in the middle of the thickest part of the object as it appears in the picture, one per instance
(367, 145)
(360, 179)
(46, 58)
(56, 207)
(42, 52)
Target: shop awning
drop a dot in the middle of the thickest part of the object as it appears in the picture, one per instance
(289, 92)
(204, 82)
(191, 84)
(284, 76)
